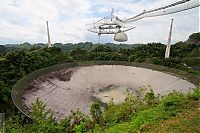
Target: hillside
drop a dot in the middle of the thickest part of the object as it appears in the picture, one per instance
(194, 39)
(180, 114)
(175, 112)
(64, 47)
(171, 112)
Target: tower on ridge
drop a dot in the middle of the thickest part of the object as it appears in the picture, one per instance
(167, 52)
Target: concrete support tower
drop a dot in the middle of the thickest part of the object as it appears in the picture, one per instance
(167, 52)
(48, 34)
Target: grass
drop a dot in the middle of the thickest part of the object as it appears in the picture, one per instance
(176, 113)
(186, 121)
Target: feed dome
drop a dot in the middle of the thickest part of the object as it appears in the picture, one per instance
(121, 37)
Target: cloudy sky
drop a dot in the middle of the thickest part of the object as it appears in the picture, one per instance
(25, 20)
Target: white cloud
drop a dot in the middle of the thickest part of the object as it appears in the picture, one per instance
(25, 20)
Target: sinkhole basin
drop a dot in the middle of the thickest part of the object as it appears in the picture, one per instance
(67, 87)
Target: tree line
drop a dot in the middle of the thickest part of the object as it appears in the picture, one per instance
(16, 63)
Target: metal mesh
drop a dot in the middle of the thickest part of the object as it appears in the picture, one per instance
(21, 85)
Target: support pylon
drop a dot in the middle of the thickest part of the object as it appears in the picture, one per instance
(99, 36)
(48, 34)
(167, 52)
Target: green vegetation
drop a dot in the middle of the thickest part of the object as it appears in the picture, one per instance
(170, 107)
(145, 114)
(17, 64)
(64, 47)
(176, 112)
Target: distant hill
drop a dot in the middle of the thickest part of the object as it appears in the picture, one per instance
(64, 47)
(3, 49)
(194, 39)
(90, 46)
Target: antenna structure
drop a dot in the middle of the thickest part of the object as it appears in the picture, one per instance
(48, 34)
(114, 25)
(167, 52)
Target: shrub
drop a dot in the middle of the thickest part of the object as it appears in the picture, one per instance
(150, 98)
(96, 112)
(158, 112)
(147, 117)
(80, 128)
(196, 94)
(122, 112)
(43, 121)
(132, 57)
(174, 101)
(13, 124)
(76, 121)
